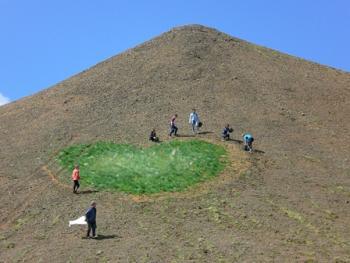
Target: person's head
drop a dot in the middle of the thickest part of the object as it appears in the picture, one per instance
(194, 110)
(227, 125)
(154, 130)
(175, 115)
(76, 166)
(93, 204)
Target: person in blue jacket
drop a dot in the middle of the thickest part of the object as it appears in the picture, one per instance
(248, 142)
(90, 218)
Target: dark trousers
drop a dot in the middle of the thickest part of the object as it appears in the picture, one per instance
(226, 137)
(76, 186)
(194, 127)
(173, 130)
(91, 226)
(154, 139)
(248, 146)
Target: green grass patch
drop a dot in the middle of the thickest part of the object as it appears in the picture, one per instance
(166, 167)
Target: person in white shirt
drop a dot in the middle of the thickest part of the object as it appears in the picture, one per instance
(194, 121)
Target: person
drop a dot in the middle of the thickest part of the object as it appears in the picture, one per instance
(194, 121)
(173, 128)
(153, 136)
(226, 132)
(90, 218)
(76, 178)
(248, 142)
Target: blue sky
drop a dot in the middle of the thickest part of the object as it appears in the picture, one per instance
(44, 42)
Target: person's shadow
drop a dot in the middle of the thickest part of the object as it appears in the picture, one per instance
(185, 135)
(205, 132)
(103, 237)
(194, 135)
(241, 142)
(84, 192)
(237, 141)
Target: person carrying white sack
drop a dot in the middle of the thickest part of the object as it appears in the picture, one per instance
(88, 219)
(194, 121)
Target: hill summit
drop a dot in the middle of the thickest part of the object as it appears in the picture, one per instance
(294, 194)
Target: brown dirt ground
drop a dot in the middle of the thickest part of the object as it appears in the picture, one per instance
(289, 204)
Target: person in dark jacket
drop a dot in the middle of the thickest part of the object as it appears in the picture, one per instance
(90, 218)
(226, 132)
(153, 136)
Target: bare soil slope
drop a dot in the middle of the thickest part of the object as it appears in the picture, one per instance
(291, 204)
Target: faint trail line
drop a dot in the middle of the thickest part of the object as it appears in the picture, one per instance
(53, 178)
(17, 211)
(29, 198)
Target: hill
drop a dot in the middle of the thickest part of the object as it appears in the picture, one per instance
(292, 204)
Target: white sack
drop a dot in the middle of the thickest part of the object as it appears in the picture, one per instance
(79, 221)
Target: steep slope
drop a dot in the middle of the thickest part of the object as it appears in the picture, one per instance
(297, 194)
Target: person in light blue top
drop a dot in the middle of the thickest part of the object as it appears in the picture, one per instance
(194, 121)
(248, 142)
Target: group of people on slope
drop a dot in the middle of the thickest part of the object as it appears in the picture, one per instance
(247, 138)
(90, 215)
(196, 124)
(193, 121)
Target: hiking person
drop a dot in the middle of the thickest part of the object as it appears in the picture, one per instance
(90, 218)
(76, 178)
(226, 132)
(173, 128)
(153, 136)
(248, 142)
(194, 121)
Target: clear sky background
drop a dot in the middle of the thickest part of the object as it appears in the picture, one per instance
(44, 42)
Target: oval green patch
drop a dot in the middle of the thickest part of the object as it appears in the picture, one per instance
(166, 167)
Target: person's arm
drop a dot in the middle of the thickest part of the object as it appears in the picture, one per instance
(95, 214)
(88, 215)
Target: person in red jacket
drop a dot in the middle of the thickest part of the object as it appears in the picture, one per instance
(76, 178)
(173, 128)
